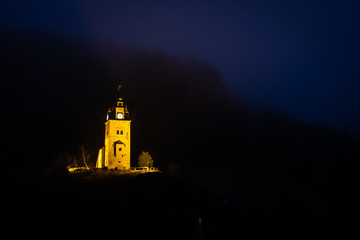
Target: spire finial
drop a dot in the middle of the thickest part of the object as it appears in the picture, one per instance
(120, 86)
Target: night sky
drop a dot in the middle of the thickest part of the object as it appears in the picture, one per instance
(300, 58)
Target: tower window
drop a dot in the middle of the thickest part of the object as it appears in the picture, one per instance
(121, 132)
(120, 149)
(117, 132)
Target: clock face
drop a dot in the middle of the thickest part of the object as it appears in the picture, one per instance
(120, 116)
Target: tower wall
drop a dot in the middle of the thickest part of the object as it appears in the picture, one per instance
(117, 144)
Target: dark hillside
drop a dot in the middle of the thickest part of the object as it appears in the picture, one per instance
(281, 177)
(63, 91)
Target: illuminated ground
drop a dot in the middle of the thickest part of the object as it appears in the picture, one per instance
(97, 174)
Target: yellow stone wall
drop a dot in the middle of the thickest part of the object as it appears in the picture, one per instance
(117, 144)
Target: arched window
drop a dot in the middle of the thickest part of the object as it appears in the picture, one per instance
(117, 132)
(121, 132)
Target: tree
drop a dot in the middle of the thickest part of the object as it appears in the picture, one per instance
(85, 156)
(145, 160)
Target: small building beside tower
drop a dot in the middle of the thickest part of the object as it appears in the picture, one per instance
(115, 154)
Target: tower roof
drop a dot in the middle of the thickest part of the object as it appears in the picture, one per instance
(119, 110)
(119, 142)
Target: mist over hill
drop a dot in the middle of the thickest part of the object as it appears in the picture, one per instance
(56, 92)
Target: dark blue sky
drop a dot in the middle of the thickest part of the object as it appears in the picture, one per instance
(300, 58)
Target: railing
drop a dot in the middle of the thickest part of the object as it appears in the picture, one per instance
(144, 169)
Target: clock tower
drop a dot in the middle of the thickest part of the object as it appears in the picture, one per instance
(116, 151)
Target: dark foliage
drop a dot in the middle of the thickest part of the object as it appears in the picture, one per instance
(281, 177)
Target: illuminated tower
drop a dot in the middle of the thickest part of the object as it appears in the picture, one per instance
(116, 152)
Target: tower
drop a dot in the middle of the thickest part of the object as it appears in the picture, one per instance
(116, 151)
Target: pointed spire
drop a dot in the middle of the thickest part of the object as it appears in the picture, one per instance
(119, 110)
(118, 92)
